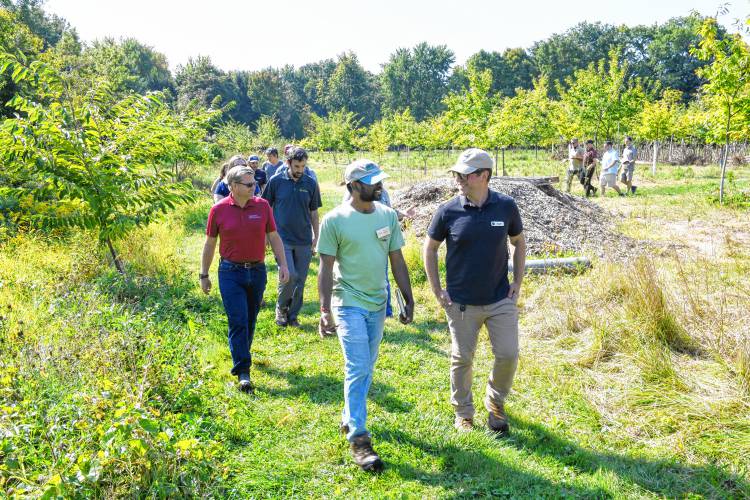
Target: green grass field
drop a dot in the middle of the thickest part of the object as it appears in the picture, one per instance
(634, 379)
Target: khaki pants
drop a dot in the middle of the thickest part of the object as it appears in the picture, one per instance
(501, 319)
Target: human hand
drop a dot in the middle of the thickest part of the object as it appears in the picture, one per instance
(206, 285)
(283, 274)
(407, 316)
(515, 290)
(327, 325)
(444, 298)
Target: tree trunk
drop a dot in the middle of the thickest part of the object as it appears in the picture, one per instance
(115, 259)
(503, 151)
(724, 170)
(495, 162)
(656, 151)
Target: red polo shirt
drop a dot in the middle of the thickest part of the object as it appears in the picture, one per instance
(241, 230)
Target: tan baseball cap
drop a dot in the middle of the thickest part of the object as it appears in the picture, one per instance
(471, 160)
(365, 171)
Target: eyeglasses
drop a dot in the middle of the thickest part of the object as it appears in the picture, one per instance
(247, 185)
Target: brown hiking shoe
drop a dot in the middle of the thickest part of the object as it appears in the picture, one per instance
(497, 420)
(364, 455)
(464, 424)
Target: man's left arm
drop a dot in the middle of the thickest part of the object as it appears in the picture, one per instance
(401, 275)
(315, 219)
(519, 263)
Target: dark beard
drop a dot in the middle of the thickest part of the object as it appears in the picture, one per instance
(371, 195)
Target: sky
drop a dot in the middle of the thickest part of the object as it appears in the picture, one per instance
(251, 35)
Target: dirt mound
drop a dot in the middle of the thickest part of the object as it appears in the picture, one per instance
(554, 222)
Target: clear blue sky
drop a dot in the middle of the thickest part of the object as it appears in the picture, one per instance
(250, 35)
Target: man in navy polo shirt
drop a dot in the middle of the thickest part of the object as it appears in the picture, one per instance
(295, 199)
(477, 225)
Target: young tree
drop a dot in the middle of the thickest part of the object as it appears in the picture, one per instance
(728, 86)
(601, 98)
(468, 113)
(525, 119)
(658, 120)
(338, 132)
(89, 156)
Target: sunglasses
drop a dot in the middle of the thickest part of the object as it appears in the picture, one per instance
(463, 177)
(248, 185)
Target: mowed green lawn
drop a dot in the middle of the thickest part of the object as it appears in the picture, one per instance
(630, 383)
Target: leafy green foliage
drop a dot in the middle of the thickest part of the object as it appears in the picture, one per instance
(92, 159)
(417, 78)
(600, 99)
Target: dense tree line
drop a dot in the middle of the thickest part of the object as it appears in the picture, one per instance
(418, 78)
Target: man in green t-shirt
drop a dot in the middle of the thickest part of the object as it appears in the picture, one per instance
(357, 239)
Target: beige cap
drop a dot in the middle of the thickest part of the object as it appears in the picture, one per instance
(471, 160)
(365, 171)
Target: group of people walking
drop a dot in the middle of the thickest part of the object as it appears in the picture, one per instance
(582, 163)
(357, 241)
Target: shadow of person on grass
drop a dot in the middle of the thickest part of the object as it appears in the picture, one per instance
(421, 338)
(473, 473)
(321, 388)
(662, 477)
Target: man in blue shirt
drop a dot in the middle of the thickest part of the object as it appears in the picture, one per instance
(610, 165)
(273, 163)
(477, 226)
(295, 199)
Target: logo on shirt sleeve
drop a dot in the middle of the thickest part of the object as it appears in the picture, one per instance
(497, 223)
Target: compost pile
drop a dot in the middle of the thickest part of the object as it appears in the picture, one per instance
(554, 222)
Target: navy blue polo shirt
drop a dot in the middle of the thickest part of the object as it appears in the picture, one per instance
(292, 203)
(477, 239)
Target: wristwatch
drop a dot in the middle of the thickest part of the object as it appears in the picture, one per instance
(202, 276)
(325, 309)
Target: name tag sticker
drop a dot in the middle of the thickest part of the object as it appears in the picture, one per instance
(383, 232)
(497, 223)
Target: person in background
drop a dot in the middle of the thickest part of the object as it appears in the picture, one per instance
(221, 190)
(240, 223)
(356, 240)
(260, 175)
(575, 162)
(273, 163)
(215, 184)
(610, 166)
(589, 168)
(628, 164)
(477, 226)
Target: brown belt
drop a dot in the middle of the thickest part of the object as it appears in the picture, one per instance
(245, 265)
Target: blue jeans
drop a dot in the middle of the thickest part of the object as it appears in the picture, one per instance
(290, 293)
(360, 332)
(241, 292)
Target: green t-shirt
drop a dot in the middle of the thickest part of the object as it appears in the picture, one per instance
(361, 243)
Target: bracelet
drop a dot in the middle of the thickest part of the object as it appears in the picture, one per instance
(325, 309)
(203, 276)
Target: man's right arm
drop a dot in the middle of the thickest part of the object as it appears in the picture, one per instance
(209, 248)
(430, 258)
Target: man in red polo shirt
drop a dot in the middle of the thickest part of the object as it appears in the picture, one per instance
(241, 222)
